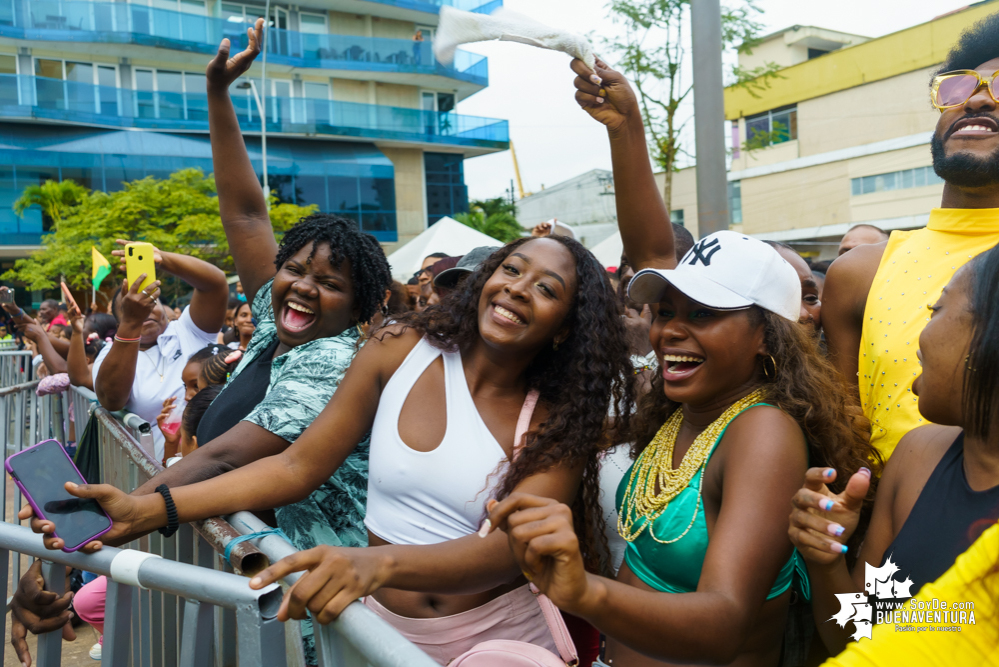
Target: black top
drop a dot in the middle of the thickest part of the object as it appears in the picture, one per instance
(239, 397)
(947, 518)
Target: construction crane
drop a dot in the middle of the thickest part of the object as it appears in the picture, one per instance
(516, 173)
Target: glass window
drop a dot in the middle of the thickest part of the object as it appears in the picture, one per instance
(676, 217)
(931, 177)
(317, 91)
(8, 64)
(855, 187)
(169, 82)
(772, 127)
(312, 23)
(143, 79)
(80, 72)
(735, 202)
(311, 190)
(50, 69)
(233, 13)
(343, 193)
(907, 177)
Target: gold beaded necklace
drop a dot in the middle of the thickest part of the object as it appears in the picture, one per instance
(641, 505)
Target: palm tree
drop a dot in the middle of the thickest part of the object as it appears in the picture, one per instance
(54, 198)
(493, 217)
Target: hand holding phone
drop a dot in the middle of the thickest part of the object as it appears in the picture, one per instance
(68, 296)
(139, 259)
(41, 472)
(6, 295)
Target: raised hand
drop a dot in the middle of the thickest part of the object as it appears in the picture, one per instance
(157, 254)
(821, 521)
(136, 304)
(223, 70)
(336, 577)
(544, 543)
(32, 331)
(605, 94)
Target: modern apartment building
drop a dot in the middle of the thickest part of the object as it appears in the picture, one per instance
(360, 118)
(841, 136)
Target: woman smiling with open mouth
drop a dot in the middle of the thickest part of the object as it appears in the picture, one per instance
(742, 402)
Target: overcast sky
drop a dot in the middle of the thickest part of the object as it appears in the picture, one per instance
(556, 140)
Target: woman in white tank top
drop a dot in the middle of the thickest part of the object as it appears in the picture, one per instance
(441, 392)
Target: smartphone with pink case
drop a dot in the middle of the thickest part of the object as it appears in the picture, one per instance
(41, 473)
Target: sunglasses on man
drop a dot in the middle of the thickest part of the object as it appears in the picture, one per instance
(953, 89)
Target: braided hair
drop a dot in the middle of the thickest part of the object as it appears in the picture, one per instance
(216, 369)
(369, 270)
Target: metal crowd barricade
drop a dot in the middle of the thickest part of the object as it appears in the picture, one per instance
(133, 579)
(193, 611)
(15, 367)
(358, 637)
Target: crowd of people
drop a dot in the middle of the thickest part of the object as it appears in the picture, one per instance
(695, 457)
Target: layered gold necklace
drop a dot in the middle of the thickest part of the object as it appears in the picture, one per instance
(641, 505)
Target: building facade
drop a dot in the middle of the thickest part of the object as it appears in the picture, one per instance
(842, 136)
(360, 117)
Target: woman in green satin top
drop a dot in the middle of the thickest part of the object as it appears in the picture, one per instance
(741, 390)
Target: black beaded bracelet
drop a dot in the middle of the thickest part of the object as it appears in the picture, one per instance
(171, 510)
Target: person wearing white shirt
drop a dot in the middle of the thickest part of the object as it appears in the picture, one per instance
(143, 366)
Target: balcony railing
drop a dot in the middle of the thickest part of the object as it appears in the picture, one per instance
(70, 101)
(121, 22)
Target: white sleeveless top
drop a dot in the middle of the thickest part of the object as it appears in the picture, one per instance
(430, 497)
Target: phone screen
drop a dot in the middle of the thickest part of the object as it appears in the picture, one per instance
(43, 471)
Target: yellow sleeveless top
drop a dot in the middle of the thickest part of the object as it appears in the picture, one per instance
(915, 268)
(974, 577)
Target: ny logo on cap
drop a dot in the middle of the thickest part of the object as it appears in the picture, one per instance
(698, 253)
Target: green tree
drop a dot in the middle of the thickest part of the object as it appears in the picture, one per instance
(179, 214)
(495, 217)
(651, 54)
(54, 198)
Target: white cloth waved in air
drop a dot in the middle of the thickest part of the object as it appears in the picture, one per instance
(457, 27)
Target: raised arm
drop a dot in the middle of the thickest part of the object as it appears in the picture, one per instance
(76, 361)
(241, 200)
(53, 360)
(116, 374)
(211, 291)
(642, 216)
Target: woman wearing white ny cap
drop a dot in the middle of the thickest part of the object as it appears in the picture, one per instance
(742, 403)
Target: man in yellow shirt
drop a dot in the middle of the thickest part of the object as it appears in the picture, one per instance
(876, 296)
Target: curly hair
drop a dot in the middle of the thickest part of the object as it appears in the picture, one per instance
(978, 44)
(197, 407)
(583, 379)
(369, 270)
(806, 386)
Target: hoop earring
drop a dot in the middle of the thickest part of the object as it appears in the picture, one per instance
(555, 344)
(767, 374)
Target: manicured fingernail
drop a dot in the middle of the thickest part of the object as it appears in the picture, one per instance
(829, 472)
(864, 471)
(838, 548)
(835, 529)
(600, 100)
(826, 504)
(596, 79)
(484, 530)
(255, 581)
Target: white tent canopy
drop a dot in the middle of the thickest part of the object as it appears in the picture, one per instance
(446, 235)
(608, 252)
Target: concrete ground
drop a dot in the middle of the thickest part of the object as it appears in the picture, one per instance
(74, 654)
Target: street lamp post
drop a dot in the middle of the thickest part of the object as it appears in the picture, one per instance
(261, 100)
(709, 116)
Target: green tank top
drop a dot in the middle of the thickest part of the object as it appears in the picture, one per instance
(676, 567)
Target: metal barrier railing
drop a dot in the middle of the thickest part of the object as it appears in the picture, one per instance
(358, 637)
(174, 618)
(15, 367)
(199, 591)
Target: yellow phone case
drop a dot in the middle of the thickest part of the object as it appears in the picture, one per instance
(139, 260)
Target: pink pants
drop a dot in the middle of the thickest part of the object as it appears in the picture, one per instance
(89, 604)
(515, 615)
